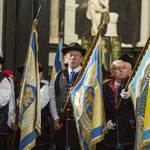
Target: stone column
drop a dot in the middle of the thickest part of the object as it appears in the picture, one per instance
(145, 22)
(112, 25)
(69, 26)
(54, 21)
(1, 24)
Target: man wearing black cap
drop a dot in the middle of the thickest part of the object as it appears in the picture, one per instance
(127, 58)
(5, 94)
(120, 121)
(67, 137)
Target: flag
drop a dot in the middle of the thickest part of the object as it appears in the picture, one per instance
(140, 93)
(88, 103)
(146, 132)
(58, 62)
(29, 114)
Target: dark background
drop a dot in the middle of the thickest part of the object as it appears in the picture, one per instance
(19, 16)
(18, 19)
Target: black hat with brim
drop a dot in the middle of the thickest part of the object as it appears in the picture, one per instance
(73, 46)
(20, 69)
(2, 61)
(127, 58)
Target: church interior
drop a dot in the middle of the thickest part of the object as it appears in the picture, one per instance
(127, 31)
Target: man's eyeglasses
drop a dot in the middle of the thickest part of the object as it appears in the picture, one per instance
(119, 68)
(75, 55)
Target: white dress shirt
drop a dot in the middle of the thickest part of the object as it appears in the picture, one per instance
(53, 108)
(5, 92)
(44, 93)
(12, 105)
(75, 70)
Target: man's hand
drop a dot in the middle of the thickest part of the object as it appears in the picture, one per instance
(110, 125)
(56, 125)
(125, 95)
(18, 102)
(14, 126)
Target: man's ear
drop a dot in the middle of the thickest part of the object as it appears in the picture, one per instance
(81, 59)
(65, 59)
(112, 73)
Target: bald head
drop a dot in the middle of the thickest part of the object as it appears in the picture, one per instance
(116, 63)
(119, 70)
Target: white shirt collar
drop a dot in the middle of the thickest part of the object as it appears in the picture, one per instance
(75, 70)
(116, 84)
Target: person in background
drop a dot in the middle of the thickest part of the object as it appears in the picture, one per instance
(66, 137)
(130, 63)
(127, 58)
(5, 98)
(12, 106)
(121, 125)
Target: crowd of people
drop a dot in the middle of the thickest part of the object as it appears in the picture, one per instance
(121, 125)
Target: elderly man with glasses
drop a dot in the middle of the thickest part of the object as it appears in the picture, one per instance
(121, 130)
(67, 137)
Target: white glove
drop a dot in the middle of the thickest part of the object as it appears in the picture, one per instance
(125, 95)
(110, 125)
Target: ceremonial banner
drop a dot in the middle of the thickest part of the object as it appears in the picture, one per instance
(146, 132)
(88, 103)
(140, 92)
(30, 108)
(58, 62)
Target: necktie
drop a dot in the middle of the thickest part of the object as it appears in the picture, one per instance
(72, 76)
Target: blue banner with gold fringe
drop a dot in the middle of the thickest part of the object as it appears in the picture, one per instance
(146, 132)
(88, 104)
(140, 93)
(29, 114)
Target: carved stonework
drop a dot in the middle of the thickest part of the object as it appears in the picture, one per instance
(69, 27)
(112, 26)
(54, 21)
(145, 22)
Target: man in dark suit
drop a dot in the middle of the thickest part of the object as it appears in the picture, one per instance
(67, 137)
(121, 127)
